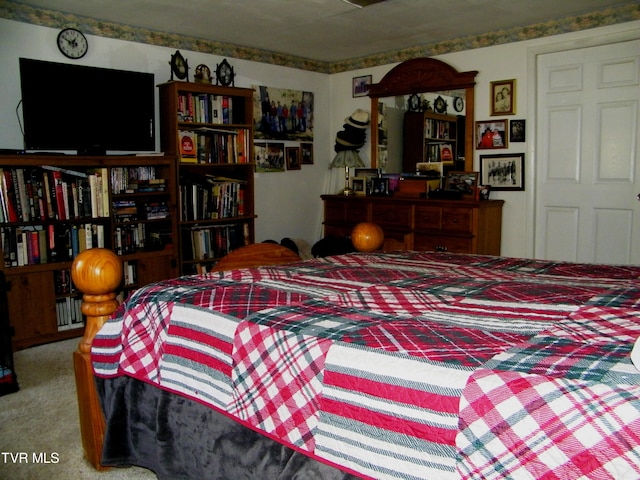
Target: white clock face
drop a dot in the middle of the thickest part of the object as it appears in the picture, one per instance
(72, 43)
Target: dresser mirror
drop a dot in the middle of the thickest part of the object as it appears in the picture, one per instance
(408, 91)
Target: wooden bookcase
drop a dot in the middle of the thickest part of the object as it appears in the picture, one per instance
(209, 129)
(53, 207)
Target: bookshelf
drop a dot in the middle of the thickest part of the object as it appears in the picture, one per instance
(53, 207)
(209, 129)
(432, 138)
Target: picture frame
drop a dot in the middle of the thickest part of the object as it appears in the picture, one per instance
(361, 85)
(503, 97)
(306, 153)
(517, 130)
(292, 154)
(269, 157)
(380, 186)
(359, 185)
(503, 171)
(464, 182)
(491, 134)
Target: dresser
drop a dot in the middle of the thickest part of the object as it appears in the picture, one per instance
(458, 226)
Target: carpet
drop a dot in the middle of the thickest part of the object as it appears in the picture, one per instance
(39, 426)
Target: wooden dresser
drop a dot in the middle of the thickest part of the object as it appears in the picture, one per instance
(460, 226)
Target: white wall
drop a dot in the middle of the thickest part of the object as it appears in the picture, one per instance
(287, 204)
(503, 62)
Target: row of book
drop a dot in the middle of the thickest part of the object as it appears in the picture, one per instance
(210, 197)
(214, 241)
(131, 210)
(36, 244)
(436, 128)
(438, 152)
(136, 179)
(208, 145)
(205, 108)
(45, 193)
(69, 313)
(130, 273)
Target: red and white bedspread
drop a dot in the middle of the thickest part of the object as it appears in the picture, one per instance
(406, 365)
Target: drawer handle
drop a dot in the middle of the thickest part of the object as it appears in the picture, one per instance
(441, 248)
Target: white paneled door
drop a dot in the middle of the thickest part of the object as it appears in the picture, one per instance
(587, 161)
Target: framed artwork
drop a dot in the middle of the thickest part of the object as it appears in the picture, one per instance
(293, 158)
(502, 171)
(361, 86)
(380, 186)
(503, 97)
(359, 185)
(306, 152)
(269, 157)
(516, 130)
(463, 182)
(491, 134)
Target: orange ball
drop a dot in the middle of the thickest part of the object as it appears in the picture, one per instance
(367, 237)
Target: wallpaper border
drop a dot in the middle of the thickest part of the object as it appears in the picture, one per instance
(50, 18)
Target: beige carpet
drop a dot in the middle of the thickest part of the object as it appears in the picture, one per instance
(40, 422)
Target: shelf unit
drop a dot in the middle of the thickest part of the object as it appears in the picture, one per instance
(430, 137)
(209, 130)
(55, 206)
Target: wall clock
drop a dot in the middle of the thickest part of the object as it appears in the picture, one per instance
(72, 43)
(440, 105)
(458, 104)
(179, 66)
(414, 103)
(225, 74)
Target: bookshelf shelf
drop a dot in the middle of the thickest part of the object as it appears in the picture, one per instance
(209, 129)
(60, 230)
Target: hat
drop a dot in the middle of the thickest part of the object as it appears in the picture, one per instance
(351, 137)
(358, 119)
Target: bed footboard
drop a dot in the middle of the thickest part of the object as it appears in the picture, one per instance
(97, 273)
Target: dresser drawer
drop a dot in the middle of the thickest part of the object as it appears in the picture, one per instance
(356, 212)
(393, 215)
(443, 243)
(428, 217)
(457, 220)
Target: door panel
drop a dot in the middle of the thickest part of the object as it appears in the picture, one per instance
(587, 166)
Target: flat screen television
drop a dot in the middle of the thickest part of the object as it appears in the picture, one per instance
(86, 109)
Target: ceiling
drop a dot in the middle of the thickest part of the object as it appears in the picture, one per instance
(327, 30)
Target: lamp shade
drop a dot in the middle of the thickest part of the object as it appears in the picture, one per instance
(347, 158)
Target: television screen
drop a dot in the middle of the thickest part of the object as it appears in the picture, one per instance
(86, 109)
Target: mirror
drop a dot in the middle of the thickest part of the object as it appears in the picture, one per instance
(421, 84)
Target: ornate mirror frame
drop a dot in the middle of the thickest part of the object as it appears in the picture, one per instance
(419, 75)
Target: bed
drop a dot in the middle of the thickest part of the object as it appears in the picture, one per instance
(391, 365)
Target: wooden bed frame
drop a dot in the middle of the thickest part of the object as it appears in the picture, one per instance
(98, 273)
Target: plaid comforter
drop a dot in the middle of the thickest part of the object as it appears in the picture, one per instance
(407, 365)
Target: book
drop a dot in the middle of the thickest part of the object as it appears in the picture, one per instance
(188, 146)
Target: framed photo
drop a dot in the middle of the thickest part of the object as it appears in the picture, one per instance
(491, 134)
(359, 185)
(306, 153)
(502, 171)
(361, 86)
(380, 186)
(293, 158)
(516, 130)
(464, 182)
(503, 97)
(269, 157)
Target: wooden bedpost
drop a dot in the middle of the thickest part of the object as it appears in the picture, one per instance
(97, 273)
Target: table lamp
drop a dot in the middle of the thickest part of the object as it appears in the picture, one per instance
(347, 159)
